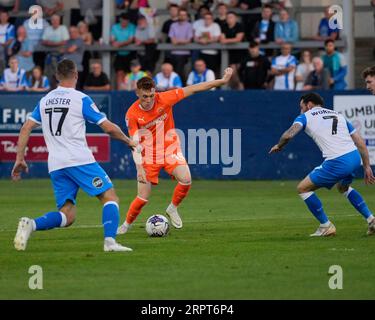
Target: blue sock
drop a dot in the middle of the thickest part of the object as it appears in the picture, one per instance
(357, 201)
(50, 220)
(315, 206)
(111, 218)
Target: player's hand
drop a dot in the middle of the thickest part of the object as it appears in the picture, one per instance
(227, 75)
(369, 175)
(19, 167)
(275, 149)
(141, 175)
(132, 145)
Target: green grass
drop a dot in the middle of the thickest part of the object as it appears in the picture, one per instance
(241, 240)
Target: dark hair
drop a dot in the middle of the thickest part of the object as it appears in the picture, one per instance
(33, 79)
(222, 4)
(145, 83)
(66, 69)
(267, 6)
(253, 44)
(370, 71)
(209, 14)
(313, 97)
(329, 41)
(124, 16)
(172, 5)
(232, 12)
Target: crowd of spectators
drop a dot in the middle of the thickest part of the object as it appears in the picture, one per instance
(203, 22)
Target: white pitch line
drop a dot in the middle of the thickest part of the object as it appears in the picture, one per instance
(95, 226)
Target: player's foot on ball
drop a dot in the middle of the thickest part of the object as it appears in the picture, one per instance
(174, 216)
(325, 231)
(371, 228)
(110, 244)
(124, 228)
(25, 228)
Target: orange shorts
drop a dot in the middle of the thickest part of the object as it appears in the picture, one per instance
(171, 161)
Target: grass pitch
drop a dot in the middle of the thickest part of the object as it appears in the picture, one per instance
(241, 240)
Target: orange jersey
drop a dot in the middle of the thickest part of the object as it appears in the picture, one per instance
(155, 128)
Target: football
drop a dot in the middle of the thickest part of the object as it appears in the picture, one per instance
(157, 226)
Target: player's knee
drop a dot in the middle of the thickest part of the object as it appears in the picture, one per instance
(341, 188)
(302, 189)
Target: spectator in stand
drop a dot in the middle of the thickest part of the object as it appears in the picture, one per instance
(303, 70)
(7, 35)
(222, 11)
(325, 32)
(51, 7)
(318, 79)
(206, 34)
(264, 30)
(37, 82)
(200, 73)
(181, 33)
(85, 33)
(122, 34)
(286, 30)
(199, 21)
(74, 50)
(336, 64)
(131, 79)
(167, 79)
(233, 32)
(145, 35)
(55, 35)
(132, 4)
(14, 78)
(254, 69)
(284, 68)
(35, 35)
(228, 3)
(10, 5)
(97, 79)
(249, 20)
(173, 17)
(278, 5)
(22, 49)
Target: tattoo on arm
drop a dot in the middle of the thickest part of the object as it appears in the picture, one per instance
(289, 134)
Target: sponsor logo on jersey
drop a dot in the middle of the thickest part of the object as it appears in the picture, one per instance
(97, 182)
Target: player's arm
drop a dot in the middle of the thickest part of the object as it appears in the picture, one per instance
(23, 138)
(205, 86)
(361, 145)
(114, 131)
(286, 137)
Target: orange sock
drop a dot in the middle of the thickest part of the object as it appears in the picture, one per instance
(180, 192)
(135, 209)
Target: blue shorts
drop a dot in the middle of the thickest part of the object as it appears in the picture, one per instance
(336, 170)
(90, 177)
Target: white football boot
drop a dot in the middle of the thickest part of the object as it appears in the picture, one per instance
(325, 231)
(124, 228)
(174, 216)
(110, 244)
(371, 228)
(25, 228)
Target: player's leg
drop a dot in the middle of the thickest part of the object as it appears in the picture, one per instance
(65, 193)
(357, 201)
(183, 177)
(110, 220)
(306, 190)
(135, 208)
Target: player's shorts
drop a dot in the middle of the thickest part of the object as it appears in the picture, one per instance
(171, 162)
(91, 178)
(340, 170)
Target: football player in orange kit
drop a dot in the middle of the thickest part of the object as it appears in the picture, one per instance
(150, 122)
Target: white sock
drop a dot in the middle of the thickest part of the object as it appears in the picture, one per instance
(325, 225)
(109, 239)
(370, 218)
(33, 224)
